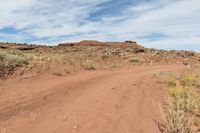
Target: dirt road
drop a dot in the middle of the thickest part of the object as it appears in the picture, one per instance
(118, 101)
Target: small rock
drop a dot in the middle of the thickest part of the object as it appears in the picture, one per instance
(75, 127)
(134, 84)
(33, 119)
(44, 98)
(129, 41)
(185, 63)
(134, 60)
(139, 50)
(104, 57)
(65, 118)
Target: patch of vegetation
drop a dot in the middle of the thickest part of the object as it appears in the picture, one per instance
(57, 73)
(43, 59)
(181, 112)
(88, 65)
(157, 74)
(188, 80)
(172, 82)
(114, 65)
(9, 61)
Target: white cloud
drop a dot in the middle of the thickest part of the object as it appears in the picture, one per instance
(66, 20)
(181, 43)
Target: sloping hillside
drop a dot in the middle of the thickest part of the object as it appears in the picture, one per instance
(68, 57)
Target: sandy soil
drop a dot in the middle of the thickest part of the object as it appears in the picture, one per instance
(117, 101)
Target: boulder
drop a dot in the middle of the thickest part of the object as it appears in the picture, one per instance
(139, 50)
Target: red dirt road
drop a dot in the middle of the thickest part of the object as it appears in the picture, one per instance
(118, 101)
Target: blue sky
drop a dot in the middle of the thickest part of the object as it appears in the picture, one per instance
(163, 24)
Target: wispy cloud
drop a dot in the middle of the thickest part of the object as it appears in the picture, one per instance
(167, 24)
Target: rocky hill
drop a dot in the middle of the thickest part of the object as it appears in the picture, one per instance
(87, 55)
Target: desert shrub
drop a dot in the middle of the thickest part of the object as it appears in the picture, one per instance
(70, 61)
(188, 80)
(114, 65)
(9, 59)
(68, 70)
(57, 73)
(166, 77)
(181, 110)
(14, 60)
(2, 56)
(88, 65)
(172, 82)
(157, 74)
(47, 58)
(58, 58)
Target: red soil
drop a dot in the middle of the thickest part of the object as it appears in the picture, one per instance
(118, 101)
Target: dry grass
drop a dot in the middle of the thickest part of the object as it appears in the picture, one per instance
(88, 65)
(181, 112)
(43, 60)
(10, 59)
(46, 60)
(57, 73)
